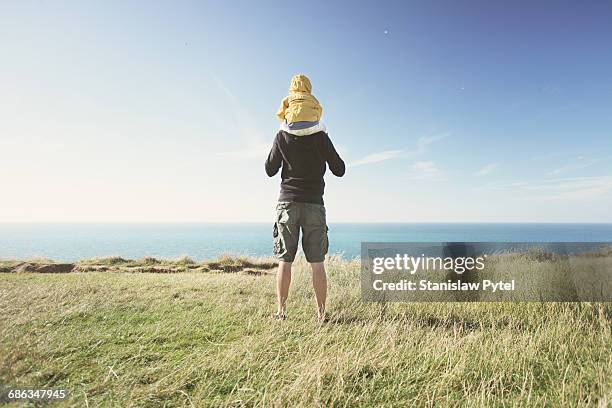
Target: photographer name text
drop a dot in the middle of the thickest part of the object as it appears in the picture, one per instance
(426, 285)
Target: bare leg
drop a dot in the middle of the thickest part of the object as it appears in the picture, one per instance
(283, 280)
(319, 283)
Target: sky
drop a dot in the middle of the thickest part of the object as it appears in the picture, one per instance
(444, 111)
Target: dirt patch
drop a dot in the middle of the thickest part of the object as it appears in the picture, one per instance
(154, 269)
(43, 268)
(91, 268)
(6, 269)
(240, 265)
(253, 272)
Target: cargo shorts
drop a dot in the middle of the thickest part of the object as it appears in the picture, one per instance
(291, 217)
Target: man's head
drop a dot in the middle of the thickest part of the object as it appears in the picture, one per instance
(300, 83)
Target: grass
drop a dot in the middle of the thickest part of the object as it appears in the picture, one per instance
(204, 337)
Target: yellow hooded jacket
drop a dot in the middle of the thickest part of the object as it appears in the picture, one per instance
(300, 105)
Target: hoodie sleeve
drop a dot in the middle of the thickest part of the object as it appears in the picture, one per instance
(281, 110)
(335, 163)
(274, 160)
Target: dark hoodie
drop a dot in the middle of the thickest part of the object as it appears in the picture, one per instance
(304, 160)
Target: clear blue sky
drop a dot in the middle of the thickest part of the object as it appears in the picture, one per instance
(445, 111)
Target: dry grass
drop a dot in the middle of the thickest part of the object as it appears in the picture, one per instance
(206, 339)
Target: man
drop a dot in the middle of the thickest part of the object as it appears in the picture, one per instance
(304, 158)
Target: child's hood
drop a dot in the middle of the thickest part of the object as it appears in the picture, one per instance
(300, 83)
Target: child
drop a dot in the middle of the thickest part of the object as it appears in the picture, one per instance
(300, 111)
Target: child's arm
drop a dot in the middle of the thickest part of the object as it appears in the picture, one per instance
(281, 110)
(274, 160)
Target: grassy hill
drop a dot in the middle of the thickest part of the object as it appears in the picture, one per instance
(155, 333)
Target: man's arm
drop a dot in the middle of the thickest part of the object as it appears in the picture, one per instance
(273, 163)
(335, 163)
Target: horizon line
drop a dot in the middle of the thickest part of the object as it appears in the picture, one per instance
(333, 222)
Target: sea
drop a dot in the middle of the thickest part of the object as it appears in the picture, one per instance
(201, 241)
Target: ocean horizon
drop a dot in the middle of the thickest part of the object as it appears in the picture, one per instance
(200, 241)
